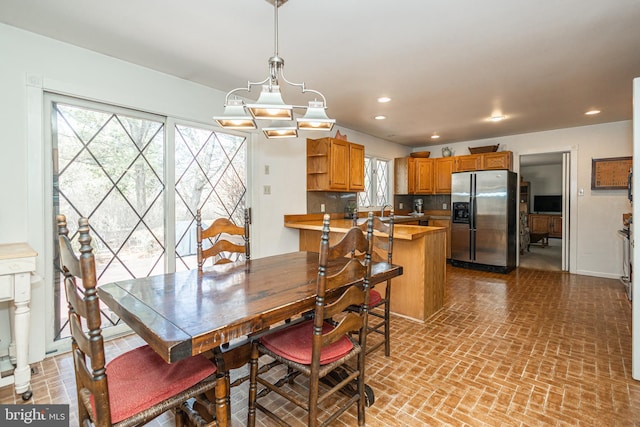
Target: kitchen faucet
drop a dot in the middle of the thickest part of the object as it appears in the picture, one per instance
(383, 207)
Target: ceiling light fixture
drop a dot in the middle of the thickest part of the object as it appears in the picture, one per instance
(435, 136)
(497, 118)
(592, 112)
(380, 117)
(271, 106)
(384, 99)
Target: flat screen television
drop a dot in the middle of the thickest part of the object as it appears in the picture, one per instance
(549, 204)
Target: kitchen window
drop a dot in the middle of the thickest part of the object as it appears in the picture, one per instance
(376, 183)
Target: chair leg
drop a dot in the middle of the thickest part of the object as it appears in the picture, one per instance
(253, 385)
(387, 320)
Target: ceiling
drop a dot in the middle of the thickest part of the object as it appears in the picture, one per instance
(447, 65)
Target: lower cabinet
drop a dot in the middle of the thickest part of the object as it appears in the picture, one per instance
(546, 223)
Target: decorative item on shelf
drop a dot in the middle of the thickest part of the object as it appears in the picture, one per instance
(341, 136)
(270, 105)
(421, 154)
(485, 149)
(446, 152)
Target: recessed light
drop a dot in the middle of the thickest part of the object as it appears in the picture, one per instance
(497, 118)
(435, 136)
(384, 99)
(380, 117)
(592, 112)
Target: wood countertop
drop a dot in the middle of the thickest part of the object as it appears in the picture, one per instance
(340, 224)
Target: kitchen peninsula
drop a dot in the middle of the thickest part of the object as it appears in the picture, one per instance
(421, 251)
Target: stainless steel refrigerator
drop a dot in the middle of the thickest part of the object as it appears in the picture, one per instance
(483, 219)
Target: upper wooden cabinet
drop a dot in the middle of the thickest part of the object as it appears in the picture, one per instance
(404, 171)
(334, 165)
(433, 176)
(442, 175)
(497, 160)
(484, 161)
(356, 167)
(472, 162)
(424, 176)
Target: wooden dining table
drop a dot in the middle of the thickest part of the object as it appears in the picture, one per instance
(190, 312)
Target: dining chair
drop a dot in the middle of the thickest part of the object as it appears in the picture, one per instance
(379, 307)
(227, 239)
(138, 385)
(316, 348)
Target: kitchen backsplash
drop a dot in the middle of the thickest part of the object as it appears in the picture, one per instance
(430, 202)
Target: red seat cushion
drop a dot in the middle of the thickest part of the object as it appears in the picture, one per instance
(294, 343)
(140, 378)
(374, 297)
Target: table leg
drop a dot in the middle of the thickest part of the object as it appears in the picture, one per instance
(22, 313)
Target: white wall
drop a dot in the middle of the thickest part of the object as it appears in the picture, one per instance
(543, 179)
(596, 216)
(33, 64)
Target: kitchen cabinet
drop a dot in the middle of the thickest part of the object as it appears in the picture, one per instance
(424, 176)
(546, 223)
(472, 162)
(404, 175)
(413, 176)
(484, 161)
(356, 167)
(334, 165)
(442, 175)
(497, 160)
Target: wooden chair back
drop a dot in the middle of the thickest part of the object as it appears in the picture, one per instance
(225, 237)
(382, 248)
(355, 241)
(380, 306)
(84, 307)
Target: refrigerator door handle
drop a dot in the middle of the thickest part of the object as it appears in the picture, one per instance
(472, 216)
(472, 202)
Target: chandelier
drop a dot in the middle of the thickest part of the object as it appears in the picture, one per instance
(271, 106)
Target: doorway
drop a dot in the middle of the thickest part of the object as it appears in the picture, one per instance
(544, 210)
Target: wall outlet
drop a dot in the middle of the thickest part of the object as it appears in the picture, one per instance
(266, 169)
(444, 206)
(401, 205)
(267, 189)
(322, 207)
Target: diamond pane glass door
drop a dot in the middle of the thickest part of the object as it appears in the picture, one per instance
(382, 183)
(108, 166)
(210, 175)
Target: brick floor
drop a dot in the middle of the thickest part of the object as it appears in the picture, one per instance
(530, 348)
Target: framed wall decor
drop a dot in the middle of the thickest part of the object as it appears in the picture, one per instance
(610, 174)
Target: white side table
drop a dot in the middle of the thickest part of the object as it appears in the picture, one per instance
(17, 262)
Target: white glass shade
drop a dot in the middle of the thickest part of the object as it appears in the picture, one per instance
(235, 117)
(315, 118)
(270, 105)
(280, 129)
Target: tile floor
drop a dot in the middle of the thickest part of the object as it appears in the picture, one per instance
(530, 348)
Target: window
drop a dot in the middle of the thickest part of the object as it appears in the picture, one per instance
(376, 183)
(111, 165)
